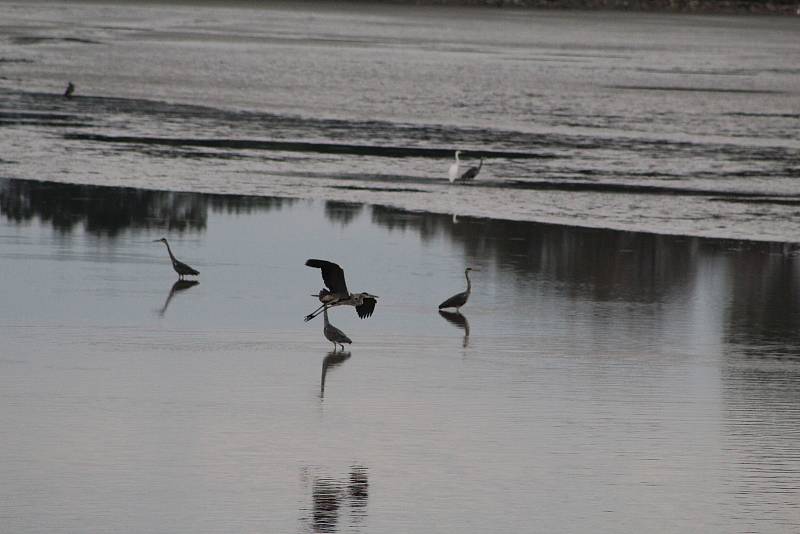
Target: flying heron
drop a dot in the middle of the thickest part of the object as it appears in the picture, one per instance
(181, 268)
(455, 174)
(333, 334)
(337, 294)
(459, 299)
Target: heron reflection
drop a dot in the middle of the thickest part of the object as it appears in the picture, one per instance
(333, 359)
(179, 285)
(458, 320)
(329, 495)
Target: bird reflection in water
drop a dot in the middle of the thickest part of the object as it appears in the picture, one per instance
(179, 285)
(333, 359)
(459, 320)
(329, 495)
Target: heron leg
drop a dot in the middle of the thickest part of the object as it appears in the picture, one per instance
(314, 313)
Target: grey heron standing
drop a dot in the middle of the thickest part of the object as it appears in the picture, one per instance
(337, 294)
(471, 173)
(333, 334)
(69, 90)
(181, 268)
(459, 299)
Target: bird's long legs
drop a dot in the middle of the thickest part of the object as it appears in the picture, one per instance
(314, 313)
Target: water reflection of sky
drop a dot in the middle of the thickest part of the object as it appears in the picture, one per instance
(584, 358)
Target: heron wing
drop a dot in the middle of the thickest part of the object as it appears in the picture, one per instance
(454, 301)
(471, 173)
(332, 275)
(334, 334)
(366, 308)
(182, 268)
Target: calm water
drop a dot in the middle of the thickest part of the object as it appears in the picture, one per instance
(597, 381)
(670, 124)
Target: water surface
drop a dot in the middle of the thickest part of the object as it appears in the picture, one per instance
(597, 381)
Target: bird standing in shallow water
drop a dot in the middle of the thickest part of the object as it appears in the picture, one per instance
(333, 334)
(459, 299)
(455, 175)
(69, 90)
(471, 173)
(454, 168)
(181, 268)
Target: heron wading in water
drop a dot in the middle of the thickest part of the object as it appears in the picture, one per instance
(337, 294)
(455, 175)
(333, 334)
(181, 268)
(459, 299)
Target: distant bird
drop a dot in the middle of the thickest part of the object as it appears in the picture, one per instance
(333, 334)
(337, 294)
(471, 173)
(181, 268)
(70, 89)
(454, 168)
(455, 175)
(459, 299)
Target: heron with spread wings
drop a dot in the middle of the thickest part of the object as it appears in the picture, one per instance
(336, 293)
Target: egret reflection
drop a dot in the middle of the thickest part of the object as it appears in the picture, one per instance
(333, 359)
(179, 285)
(458, 320)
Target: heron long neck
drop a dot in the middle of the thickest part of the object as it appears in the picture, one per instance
(325, 314)
(469, 285)
(457, 160)
(169, 251)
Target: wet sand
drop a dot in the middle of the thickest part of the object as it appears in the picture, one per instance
(597, 381)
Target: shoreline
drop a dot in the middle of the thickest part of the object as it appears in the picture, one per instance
(38, 188)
